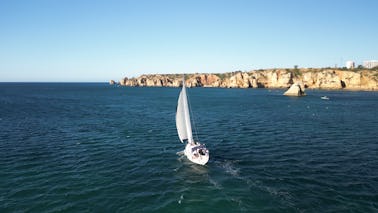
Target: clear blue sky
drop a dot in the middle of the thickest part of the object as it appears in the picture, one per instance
(88, 40)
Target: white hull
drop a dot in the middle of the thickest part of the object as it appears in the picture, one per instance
(197, 153)
(324, 98)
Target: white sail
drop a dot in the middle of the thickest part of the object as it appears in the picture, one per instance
(184, 128)
(180, 119)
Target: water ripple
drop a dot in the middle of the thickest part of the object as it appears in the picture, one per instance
(91, 147)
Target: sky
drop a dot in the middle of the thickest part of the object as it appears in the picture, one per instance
(95, 41)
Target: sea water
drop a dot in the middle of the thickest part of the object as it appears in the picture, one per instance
(72, 147)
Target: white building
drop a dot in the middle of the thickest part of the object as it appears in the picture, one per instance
(349, 64)
(370, 64)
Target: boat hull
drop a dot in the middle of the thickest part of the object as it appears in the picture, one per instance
(197, 153)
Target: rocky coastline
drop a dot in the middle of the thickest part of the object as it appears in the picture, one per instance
(311, 78)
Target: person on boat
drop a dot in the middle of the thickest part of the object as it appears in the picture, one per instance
(202, 152)
(196, 154)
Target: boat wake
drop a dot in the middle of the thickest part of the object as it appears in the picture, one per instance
(231, 168)
(180, 153)
(181, 199)
(180, 159)
(215, 183)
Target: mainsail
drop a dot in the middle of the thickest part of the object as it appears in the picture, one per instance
(183, 125)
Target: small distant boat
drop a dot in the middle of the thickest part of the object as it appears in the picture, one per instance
(325, 97)
(194, 151)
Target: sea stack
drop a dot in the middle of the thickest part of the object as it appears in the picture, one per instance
(295, 90)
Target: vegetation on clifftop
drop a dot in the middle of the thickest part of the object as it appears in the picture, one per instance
(315, 78)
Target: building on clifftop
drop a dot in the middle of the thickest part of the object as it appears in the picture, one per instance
(370, 64)
(349, 64)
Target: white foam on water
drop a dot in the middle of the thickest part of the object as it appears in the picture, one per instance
(215, 183)
(240, 204)
(180, 158)
(181, 199)
(283, 196)
(177, 168)
(180, 153)
(229, 167)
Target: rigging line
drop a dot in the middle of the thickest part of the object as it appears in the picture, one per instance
(192, 118)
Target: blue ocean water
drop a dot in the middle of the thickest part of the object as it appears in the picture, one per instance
(72, 147)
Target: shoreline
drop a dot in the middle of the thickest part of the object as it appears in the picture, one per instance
(259, 88)
(324, 79)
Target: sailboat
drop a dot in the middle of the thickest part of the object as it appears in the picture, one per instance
(194, 151)
(325, 97)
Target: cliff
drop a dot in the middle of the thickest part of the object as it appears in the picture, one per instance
(272, 78)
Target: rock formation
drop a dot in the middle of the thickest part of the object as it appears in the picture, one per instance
(272, 78)
(295, 90)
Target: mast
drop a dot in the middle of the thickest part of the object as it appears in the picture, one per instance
(186, 113)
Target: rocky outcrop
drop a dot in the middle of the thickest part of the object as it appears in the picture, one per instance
(210, 80)
(239, 80)
(272, 78)
(295, 90)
